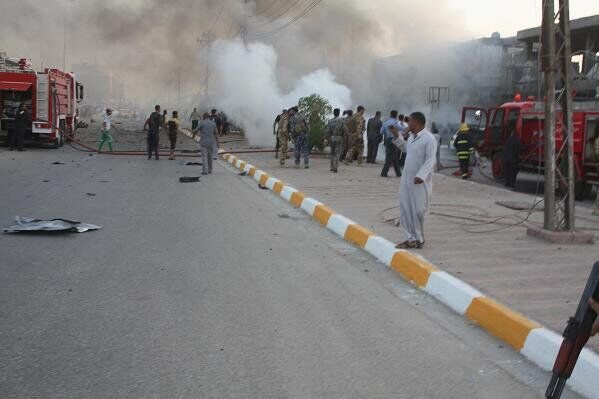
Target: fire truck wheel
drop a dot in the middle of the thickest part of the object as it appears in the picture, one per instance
(497, 165)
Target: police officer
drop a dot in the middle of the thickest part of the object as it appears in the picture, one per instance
(373, 134)
(335, 132)
(464, 147)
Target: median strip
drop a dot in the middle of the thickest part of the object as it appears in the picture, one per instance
(528, 337)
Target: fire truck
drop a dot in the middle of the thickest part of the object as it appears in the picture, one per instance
(51, 97)
(491, 128)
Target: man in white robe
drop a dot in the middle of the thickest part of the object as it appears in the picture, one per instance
(416, 184)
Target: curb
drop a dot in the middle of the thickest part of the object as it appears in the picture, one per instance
(535, 342)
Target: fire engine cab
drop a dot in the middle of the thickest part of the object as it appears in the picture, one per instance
(492, 127)
(51, 97)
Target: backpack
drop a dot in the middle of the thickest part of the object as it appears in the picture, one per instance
(300, 126)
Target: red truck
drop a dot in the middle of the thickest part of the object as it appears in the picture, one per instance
(491, 128)
(51, 97)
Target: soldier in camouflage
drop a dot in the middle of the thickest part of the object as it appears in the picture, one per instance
(335, 134)
(347, 114)
(283, 137)
(298, 127)
(356, 127)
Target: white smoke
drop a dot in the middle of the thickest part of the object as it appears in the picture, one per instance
(244, 84)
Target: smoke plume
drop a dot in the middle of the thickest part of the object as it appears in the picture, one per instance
(159, 49)
(244, 84)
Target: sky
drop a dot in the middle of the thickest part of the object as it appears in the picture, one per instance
(481, 15)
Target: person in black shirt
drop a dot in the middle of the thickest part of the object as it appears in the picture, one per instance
(153, 124)
(22, 120)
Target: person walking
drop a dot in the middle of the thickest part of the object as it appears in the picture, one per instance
(464, 147)
(437, 134)
(106, 137)
(283, 137)
(416, 185)
(275, 131)
(173, 128)
(335, 134)
(195, 119)
(152, 126)
(299, 129)
(347, 114)
(356, 127)
(22, 120)
(391, 151)
(164, 120)
(511, 159)
(208, 133)
(373, 135)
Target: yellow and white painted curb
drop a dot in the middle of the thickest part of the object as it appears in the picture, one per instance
(540, 345)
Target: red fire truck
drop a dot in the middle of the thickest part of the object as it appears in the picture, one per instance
(51, 97)
(492, 127)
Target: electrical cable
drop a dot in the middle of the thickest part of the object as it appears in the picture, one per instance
(293, 21)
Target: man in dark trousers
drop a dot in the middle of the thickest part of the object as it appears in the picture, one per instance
(153, 124)
(22, 120)
(511, 159)
(391, 151)
(373, 134)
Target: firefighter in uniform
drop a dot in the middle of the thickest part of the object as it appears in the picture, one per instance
(464, 147)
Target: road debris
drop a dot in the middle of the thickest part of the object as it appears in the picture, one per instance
(32, 225)
(189, 179)
(194, 163)
(90, 194)
(57, 163)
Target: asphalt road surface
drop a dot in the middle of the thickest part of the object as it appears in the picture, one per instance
(213, 289)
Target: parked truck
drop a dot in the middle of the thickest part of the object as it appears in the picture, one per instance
(51, 97)
(491, 128)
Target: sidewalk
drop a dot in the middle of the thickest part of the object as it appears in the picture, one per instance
(543, 281)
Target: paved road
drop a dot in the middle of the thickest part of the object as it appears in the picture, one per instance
(213, 290)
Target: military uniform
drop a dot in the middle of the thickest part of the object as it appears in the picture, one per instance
(356, 127)
(336, 132)
(283, 137)
(299, 129)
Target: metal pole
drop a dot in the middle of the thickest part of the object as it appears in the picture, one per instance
(566, 103)
(64, 38)
(548, 58)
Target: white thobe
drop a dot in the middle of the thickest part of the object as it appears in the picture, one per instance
(414, 198)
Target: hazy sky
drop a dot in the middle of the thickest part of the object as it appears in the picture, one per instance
(482, 15)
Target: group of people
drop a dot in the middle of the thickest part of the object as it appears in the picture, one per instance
(291, 125)
(208, 128)
(408, 145)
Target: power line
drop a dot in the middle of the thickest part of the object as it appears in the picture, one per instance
(289, 23)
(293, 4)
(264, 10)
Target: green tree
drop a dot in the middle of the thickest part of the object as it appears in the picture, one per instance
(315, 108)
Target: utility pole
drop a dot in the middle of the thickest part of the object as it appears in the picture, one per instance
(559, 165)
(548, 60)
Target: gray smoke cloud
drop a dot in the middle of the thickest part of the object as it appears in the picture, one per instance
(155, 47)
